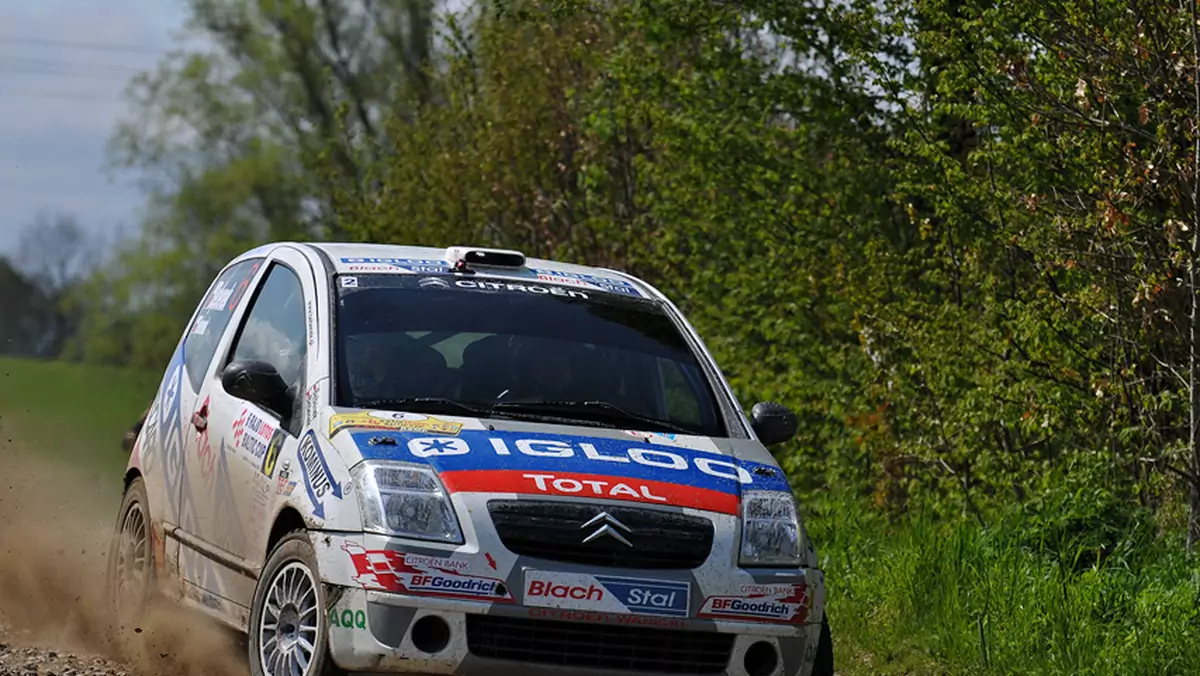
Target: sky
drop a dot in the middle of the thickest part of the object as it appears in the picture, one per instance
(63, 67)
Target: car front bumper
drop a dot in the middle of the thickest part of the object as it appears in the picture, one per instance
(381, 626)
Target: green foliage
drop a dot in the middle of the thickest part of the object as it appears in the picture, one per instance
(922, 596)
(1040, 189)
(1080, 529)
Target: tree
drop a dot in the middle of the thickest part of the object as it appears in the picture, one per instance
(57, 254)
(1062, 235)
(25, 312)
(247, 142)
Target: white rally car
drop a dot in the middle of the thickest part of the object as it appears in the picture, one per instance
(387, 459)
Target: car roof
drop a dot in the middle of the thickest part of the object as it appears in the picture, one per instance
(349, 258)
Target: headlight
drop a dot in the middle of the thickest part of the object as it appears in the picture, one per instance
(406, 501)
(770, 529)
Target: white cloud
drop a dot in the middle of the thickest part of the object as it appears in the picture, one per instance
(59, 101)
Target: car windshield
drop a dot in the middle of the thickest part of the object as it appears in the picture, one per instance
(477, 346)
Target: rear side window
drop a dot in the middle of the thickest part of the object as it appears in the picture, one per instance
(215, 311)
(274, 330)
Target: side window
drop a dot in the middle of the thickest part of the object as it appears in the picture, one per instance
(274, 328)
(681, 398)
(215, 311)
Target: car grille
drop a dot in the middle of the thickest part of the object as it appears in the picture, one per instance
(554, 531)
(598, 646)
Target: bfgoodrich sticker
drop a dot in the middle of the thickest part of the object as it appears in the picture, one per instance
(402, 573)
(784, 603)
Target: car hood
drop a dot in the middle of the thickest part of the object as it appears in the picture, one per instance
(538, 459)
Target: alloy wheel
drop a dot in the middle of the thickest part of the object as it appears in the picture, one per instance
(131, 569)
(289, 622)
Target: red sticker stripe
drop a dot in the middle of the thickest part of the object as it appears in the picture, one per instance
(591, 486)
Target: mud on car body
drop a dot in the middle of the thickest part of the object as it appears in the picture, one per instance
(397, 459)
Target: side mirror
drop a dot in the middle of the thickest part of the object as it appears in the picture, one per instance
(773, 423)
(258, 383)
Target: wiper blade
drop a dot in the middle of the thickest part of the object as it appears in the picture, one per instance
(594, 410)
(424, 405)
(588, 412)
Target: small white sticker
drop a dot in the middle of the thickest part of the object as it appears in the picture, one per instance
(201, 326)
(426, 447)
(349, 282)
(398, 415)
(220, 297)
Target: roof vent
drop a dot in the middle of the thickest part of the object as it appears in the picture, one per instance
(462, 256)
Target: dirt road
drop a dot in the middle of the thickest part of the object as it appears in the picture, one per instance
(55, 523)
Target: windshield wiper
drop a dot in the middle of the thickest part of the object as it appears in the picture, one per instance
(588, 412)
(599, 411)
(425, 405)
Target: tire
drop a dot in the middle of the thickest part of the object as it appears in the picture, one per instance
(291, 565)
(823, 663)
(131, 577)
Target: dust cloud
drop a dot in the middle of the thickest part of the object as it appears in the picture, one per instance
(56, 520)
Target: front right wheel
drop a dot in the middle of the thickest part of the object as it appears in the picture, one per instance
(823, 664)
(289, 633)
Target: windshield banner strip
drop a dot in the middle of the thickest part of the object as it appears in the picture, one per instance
(418, 266)
(563, 455)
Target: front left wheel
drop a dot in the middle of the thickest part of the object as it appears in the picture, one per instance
(289, 632)
(130, 578)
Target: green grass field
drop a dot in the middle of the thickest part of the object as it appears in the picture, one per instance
(78, 414)
(1072, 583)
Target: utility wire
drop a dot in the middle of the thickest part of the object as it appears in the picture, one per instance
(19, 70)
(42, 72)
(10, 94)
(50, 69)
(72, 65)
(128, 48)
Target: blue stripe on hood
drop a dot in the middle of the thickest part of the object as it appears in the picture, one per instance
(535, 451)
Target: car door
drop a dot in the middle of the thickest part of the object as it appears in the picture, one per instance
(169, 427)
(247, 439)
(207, 336)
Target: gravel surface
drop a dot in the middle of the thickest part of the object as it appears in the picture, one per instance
(18, 659)
(24, 653)
(56, 521)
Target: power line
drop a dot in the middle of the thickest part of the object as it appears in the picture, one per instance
(70, 65)
(77, 69)
(128, 48)
(43, 72)
(45, 69)
(9, 94)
